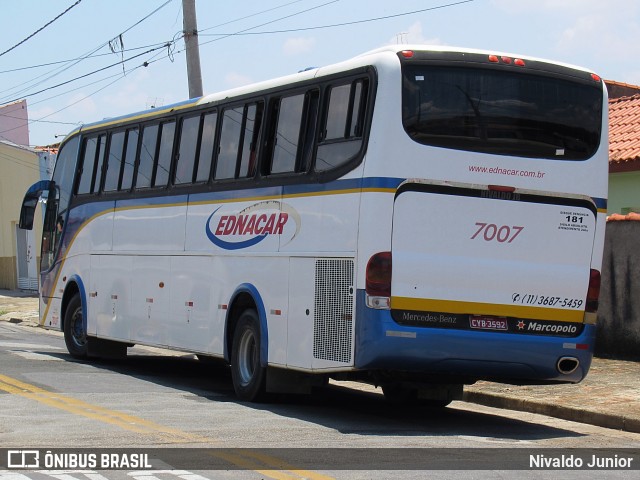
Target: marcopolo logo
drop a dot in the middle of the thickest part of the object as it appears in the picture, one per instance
(550, 328)
(250, 226)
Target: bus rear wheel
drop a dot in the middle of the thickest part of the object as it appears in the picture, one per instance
(75, 331)
(248, 375)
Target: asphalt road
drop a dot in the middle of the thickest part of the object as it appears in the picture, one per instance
(161, 399)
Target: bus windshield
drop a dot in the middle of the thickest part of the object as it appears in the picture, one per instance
(501, 112)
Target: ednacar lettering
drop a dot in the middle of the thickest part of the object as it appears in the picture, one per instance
(255, 224)
(234, 230)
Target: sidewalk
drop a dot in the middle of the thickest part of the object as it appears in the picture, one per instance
(609, 396)
(18, 306)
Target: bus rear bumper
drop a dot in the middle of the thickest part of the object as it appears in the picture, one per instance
(384, 345)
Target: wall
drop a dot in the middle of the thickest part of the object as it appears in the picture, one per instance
(618, 332)
(14, 123)
(19, 169)
(624, 192)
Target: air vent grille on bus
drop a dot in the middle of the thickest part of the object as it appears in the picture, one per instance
(333, 317)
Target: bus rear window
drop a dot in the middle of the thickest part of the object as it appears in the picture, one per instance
(501, 112)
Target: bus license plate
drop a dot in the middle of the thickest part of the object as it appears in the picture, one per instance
(488, 323)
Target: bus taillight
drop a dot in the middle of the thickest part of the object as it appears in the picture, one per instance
(378, 281)
(593, 292)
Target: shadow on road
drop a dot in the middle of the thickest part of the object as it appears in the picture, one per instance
(346, 410)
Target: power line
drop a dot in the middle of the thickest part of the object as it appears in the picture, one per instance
(76, 61)
(173, 43)
(29, 121)
(58, 62)
(84, 57)
(120, 77)
(167, 45)
(82, 99)
(40, 29)
(85, 75)
(76, 89)
(249, 16)
(269, 22)
(319, 27)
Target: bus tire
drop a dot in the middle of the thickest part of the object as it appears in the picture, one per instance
(249, 377)
(75, 332)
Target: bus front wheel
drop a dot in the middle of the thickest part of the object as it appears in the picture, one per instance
(75, 331)
(246, 372)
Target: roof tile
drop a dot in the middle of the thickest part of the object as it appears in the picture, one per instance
(624, 129)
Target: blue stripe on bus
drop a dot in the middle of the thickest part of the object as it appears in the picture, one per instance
(601, 203)
(252, 291)
(337, 187)
(340, 185)
(83, 301)
(238, 195)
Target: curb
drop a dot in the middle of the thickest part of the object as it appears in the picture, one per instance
(599, 419)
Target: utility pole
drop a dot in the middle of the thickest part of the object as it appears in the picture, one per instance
(190, 31)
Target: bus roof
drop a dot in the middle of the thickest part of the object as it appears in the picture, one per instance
(367, 58)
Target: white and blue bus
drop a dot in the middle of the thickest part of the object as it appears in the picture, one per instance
(418, 218)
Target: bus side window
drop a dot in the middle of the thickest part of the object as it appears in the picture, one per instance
(337, 113)
(251, 140)
(129, 160)
(343, 126)
(147, 154)
(286, 139)
(310, 121)
(114, 162)
(102, 144)
(229, 143)
(163, 167)
(91, 173)
(188, 144)
(88, 164)
(207, 142)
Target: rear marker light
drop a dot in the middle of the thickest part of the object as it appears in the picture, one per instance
(493, 58)
(519, 62)
(506, 60)
(501, 188)
(596, 78)
(378, 281)
(593, 292)
(407, 53)
(575, 346)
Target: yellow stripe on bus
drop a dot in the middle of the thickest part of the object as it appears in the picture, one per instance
(495, 309)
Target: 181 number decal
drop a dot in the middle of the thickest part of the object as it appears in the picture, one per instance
(491, 231)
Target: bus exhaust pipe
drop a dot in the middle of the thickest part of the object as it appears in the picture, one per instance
(567, 365)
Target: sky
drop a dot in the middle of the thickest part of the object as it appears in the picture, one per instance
(81, 61)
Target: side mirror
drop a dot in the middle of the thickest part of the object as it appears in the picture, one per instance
(27, 212)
